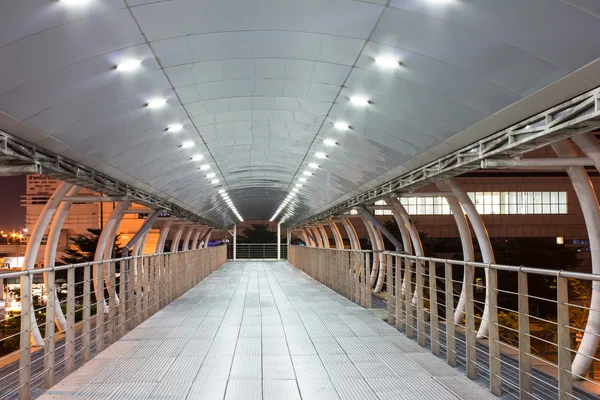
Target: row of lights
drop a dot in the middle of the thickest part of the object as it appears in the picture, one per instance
(157, 103)
(225, 197)
(359, 101)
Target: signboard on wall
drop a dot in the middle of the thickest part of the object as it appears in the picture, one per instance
(41, 185)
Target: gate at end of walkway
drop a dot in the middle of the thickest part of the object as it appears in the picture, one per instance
(257, 251)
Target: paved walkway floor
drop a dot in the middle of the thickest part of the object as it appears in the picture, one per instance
(265, 330)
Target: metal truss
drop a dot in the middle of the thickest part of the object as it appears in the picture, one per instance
(578, 115)
(14, 151)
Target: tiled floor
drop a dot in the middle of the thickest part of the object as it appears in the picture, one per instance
(264, 330)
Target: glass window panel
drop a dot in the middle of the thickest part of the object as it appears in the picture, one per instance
(562, 197)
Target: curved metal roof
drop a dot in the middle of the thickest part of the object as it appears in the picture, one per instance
(258, 86)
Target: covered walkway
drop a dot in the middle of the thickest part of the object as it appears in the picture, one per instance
(265, 330)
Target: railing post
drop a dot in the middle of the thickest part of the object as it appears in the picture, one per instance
(99, 308)
(24, 338)
(565, 378)
(139, 267)
(70, 334)
(398, 288)
(525, 383)
(450, 327)
(86, 325)
(49, 342)
(408, 294)
(433, 310)
(420, 305)
(112, 301)
(390, 289)
(470, 338)
(493, 333)
(367, 279)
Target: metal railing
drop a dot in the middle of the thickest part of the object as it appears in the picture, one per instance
(129, 291)
(535, 317)
(257, 251)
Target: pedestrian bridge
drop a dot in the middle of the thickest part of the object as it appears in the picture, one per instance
(264, 330)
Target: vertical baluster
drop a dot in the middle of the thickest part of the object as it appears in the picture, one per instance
(24, 338)
(420, 305)
(450, 326)
(470, 325)
(389, 288)
(398, 290)
(70, 334)
(565, 378)
(100, 308)
(85, 328)
(408, 294)
(368, 280)
(433, 310)
(49, 342)
(112, 301)
(494, 336)
(525, 383)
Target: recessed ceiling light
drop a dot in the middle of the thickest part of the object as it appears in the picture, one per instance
(320, 155)
(359, 100)
(302, 179)
(299, 185)
(74, 2)
(341, 126)
(128, 65)
(295, 189)
(222, 191)
(313, 165)
(204, 167)
(329, 142)
(214, 181)
(197, 157)
(307, 173)
(187, 145)
(156, 103)
(174, 127)
(387, 62)
(210, 175)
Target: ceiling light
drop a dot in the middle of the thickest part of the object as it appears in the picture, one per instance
(211, 175)
(299, 185)
(320, 155)
(295, 189)
(341, 126)
(197, 157)
(307, 173)
(128, 65)
(313, 165)
(387, 62)
(187, 145)
(74, 2)
(302, 179)
(329, 142)
(214, 181)
(359, 100)
(222, 191)
(156, 103)
(204, 167)
(174, 127)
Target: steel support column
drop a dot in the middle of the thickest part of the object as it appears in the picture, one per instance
(33, 246)
(234, 242)
(487, 253)
(321, 230)
(352, 236)
(196, 239)
(50, 253)
(162, 237)
(337, 236)
(467, 248)
(591, 214)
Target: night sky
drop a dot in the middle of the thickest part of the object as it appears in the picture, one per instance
(12, 215)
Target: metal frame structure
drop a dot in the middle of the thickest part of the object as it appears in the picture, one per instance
(14, 151)
(578, 115)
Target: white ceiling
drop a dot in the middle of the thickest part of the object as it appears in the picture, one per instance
(258, 85)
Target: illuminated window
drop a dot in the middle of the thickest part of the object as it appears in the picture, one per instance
(520, 202)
